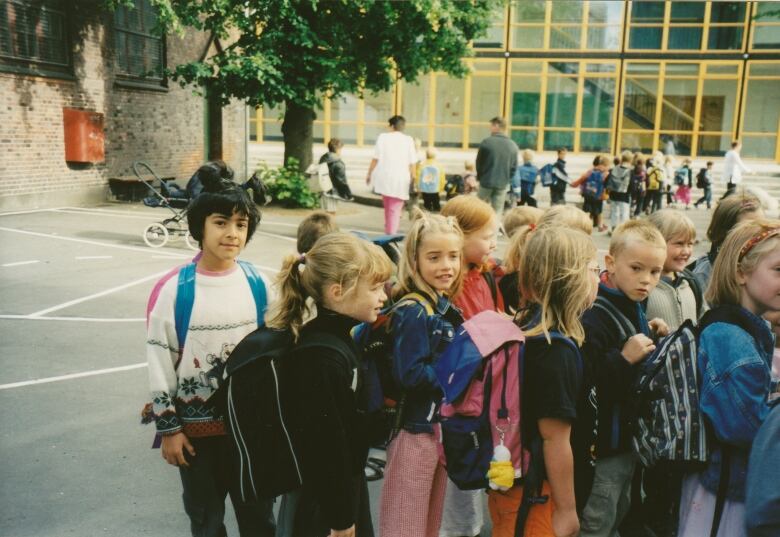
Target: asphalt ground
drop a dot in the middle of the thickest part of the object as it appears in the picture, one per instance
(74, 284)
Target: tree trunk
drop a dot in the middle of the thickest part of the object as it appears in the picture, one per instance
(297, 129)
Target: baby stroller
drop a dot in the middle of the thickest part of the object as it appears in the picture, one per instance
(173, 198)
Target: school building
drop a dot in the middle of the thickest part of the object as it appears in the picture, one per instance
(592, 76)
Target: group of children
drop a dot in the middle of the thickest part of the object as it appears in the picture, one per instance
(576, 401)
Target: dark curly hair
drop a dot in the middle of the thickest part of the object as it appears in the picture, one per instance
(227, 200)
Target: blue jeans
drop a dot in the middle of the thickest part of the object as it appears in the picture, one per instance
(706, 197)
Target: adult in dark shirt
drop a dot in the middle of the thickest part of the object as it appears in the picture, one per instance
(496, 164)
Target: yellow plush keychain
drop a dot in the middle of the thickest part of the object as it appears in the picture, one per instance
(501, 474)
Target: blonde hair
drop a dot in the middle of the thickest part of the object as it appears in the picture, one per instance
(336, 258)
(516, 218)
(469, 165)
(430, 153)
(673, 224)
(728, 213)
(471, 213)
(528, 155)
(635, 230)
(313, 227)
(723, 287)
(423, 226)
(567, 216)
(560, 283)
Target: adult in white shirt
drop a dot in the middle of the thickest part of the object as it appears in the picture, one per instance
(733, 168)
(392, 170)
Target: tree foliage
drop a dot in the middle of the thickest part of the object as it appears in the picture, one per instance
(293, 52)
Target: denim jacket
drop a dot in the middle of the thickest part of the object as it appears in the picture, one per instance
(734, 366)
(418, 341)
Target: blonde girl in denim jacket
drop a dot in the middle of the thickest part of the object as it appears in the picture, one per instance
(734, 357)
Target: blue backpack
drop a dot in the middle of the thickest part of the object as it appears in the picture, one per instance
(185, 297)
(594, 185)
(546, 174)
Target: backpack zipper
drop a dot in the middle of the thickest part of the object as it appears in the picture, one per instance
(234, 426)
(281, 420)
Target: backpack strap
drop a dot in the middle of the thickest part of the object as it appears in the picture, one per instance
(623, 324)
(257, 285)
(695, 287)
(490, 278)
(185, 297)
(419, 298)
(723, 487)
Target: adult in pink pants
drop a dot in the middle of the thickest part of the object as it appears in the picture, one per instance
(392, 170)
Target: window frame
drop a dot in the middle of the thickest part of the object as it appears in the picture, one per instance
(124, 79)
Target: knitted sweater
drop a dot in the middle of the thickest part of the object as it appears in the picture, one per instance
(674, 302)
(181, 381)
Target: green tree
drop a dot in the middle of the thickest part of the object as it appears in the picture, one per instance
(293, 52)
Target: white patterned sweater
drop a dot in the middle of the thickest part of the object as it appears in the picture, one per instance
(223, 314)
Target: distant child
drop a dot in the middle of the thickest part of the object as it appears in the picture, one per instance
(430, 181)
(414, 194)
(617, 338)
(479, 224)
(477, 220)
(515, 219)
(421, 328)
(343, 277)
(562, 286)
(524, 180)
(313, 227)
(592, 185)
(734, 361)
(619, 190)
(704, 181)
(337, 170)
(638, 185)
(186, 360)
(669, 173)
(656, 178)
(560, 179)
(683, 178)
(470, 184)
(729, 212)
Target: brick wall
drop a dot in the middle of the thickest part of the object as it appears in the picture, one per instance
(164, 128)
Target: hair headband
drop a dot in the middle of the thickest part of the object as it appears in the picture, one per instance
(755, 239)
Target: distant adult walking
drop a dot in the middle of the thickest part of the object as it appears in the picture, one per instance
(733, 168)
(392, 170)
(496, 163)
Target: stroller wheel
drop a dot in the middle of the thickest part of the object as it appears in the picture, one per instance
(191, 242)
(155, 235)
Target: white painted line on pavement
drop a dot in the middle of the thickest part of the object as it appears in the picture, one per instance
(171, 255)
(75, 319)
(20, 263)
(73, 376)
(99, 294)
(83, 257)
(31, 211)
(150, 218)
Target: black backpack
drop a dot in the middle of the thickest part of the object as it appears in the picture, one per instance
(254, 401)
(701, 179)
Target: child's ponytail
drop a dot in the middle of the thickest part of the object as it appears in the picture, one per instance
(291, 308)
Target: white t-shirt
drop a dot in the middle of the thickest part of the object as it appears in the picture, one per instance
(394, 152)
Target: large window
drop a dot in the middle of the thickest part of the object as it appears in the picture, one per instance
(566, 25)
(562, 103)
(496, 33)
(766, 27)
(690, 105)
(687, 26)
(139, 51)
(34, 36)
(761, 111)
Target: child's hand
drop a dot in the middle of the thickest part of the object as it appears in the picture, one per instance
(173, 447)
(565, 523)
(349, 532)
(659, 327)
(637, 348)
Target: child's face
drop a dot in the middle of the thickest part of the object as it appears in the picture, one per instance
(365, 301)
(478, 246)
(761, 288)
(224, 236)
(636, 269)
(678, 252)
(439, 261)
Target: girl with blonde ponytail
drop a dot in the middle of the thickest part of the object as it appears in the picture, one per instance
(323, 295)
